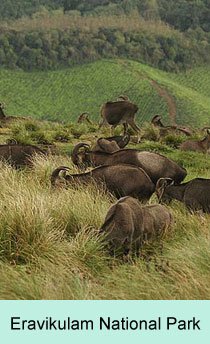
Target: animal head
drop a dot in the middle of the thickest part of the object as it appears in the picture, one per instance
(123, 98)
(11, 142)
(2, 115)
(156, 121)
(206, 140)
(124, 140)
(55, 175)
(161, 189)
(80, 156)
(83, 117)
(107, 146)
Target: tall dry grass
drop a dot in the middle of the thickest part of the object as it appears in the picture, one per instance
(50, 248)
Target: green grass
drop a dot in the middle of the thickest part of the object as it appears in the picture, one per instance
(62, 95)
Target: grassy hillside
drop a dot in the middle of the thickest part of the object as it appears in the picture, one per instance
(63, 95)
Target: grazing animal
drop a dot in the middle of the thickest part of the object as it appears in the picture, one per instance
(120, 112)
(18, 154)
(201, 146)
(165, 129)
(2, 114)
(128, 224)
(195, 194)
(111, 144)
(6, 119)
(121, 180)
(155, 165)
(84, 117)
(49, 148)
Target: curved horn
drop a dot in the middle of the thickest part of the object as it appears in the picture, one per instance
(124, 141)
(161, 184)
(155, 118)
(11, 142)
(75, 152)
(186, 131)
(82, 117)
(55, 174)
(205, 128)
(164, 181)
(123, 97)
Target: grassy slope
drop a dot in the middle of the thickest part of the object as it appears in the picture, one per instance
(49, 248)
(62, 95)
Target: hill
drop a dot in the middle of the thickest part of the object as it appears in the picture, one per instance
(62, 95)
(49, 35)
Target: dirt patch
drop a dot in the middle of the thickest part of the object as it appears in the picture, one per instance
(169, 100)
(160, 90)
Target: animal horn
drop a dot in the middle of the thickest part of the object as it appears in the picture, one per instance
(161, 184)
(164, 181)
(82, 117)
(75, 152)
(123, 97)
(56, 172)
(125, 140)
(205, 128)
(156, 118)
(11, 142)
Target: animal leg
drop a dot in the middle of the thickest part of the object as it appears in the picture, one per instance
(126, 247)
(112, 129)
(125, 125)
(138, 247)
(136, 129)
(103, 122)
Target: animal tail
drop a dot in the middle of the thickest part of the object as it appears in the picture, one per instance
(55, 174)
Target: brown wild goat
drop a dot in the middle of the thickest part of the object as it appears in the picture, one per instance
(166, 129)
(155, 165)
(84, 117)
(18, 155)
(201, 146)
(6, 119)
(129, 224)
(121, 180)
(120, 112)
(111, 144)
(195, 194)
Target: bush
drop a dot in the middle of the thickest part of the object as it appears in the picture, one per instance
(150, 132)
(173, 140)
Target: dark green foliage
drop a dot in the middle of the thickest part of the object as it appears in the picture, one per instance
(43, 49)
(53, 49)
